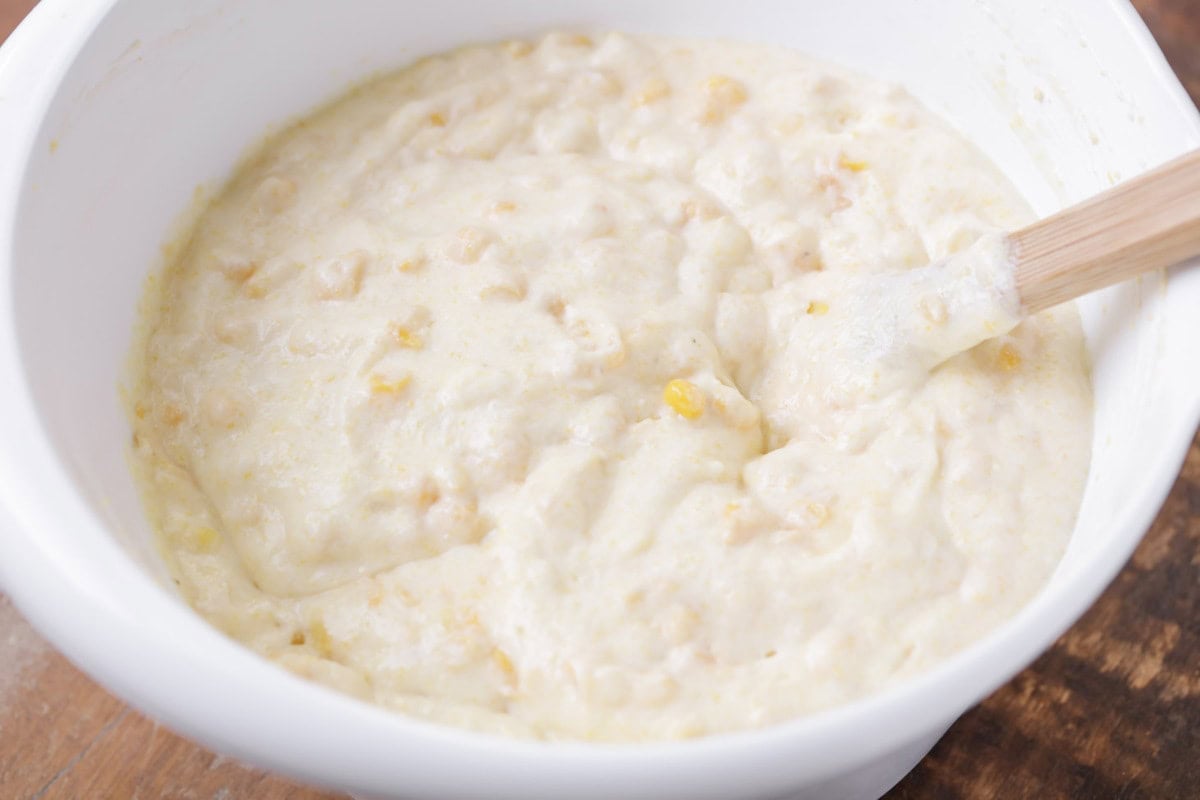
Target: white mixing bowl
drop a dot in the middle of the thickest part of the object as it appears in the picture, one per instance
(113, 111)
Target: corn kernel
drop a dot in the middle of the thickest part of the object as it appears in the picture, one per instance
(406, 338)
(203, 540)
(428, 494)
(383, 386)
(819, 512)
(725, 90)
(505, 289)
(579, 40)
(321, 640)
(1008, 358)
(437, 120)
(853, 166)
(235, 267)
(651, 91)
(255, 289)
(504, 207)
(817, 308)
(684, 398)
(504, 664)
(724, 95)
(298, 639)
(518, 49)
(172, 414)
(410, 263)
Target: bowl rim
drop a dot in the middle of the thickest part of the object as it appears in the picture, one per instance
(219, 693)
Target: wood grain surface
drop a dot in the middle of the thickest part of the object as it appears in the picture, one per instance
(1111, 711)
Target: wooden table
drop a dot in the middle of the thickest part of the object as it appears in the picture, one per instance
(1112, 711)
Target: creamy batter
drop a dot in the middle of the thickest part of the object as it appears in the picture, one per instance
(553, 389)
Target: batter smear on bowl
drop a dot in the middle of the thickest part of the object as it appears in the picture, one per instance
(499, 392)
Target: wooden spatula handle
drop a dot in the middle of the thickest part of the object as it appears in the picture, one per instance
(1147, 223)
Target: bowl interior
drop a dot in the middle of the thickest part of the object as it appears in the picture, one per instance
(163, 98)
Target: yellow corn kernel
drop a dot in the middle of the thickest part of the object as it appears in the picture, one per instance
(724, 95)
(518, 49)
(651, 91)
(580, 40)
(235, 267)
(507, 289)
(504, 207)
(318, 634)
(725, 90)
(853, 166)
(411, 263)
(383, 386)
(817, 308)
(1007, 358)
(406, 338)
(255, 290)
(202, 540)
(298, 639)
(684, 398)
(172, 414)
(504, 664)
(819, 513)
(437, 120)
(428, 494)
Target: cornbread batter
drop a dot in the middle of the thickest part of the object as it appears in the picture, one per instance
(519, 390)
